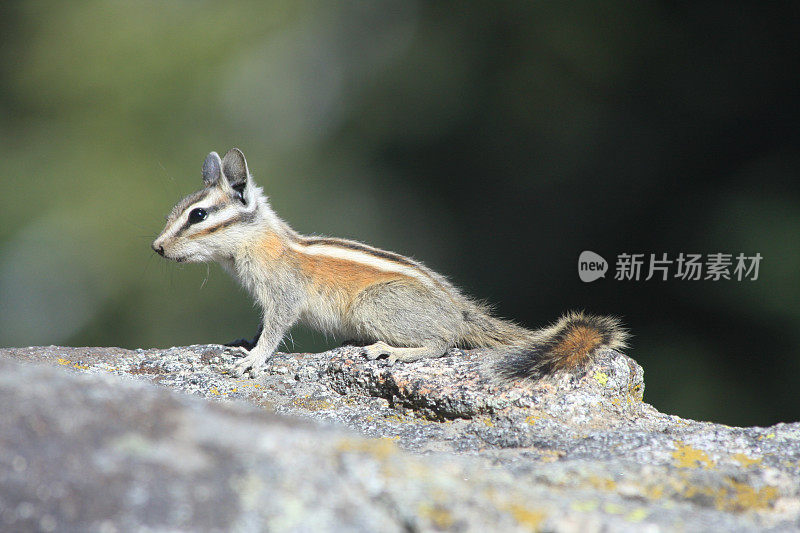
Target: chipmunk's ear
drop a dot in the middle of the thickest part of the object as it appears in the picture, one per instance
(234, 166)
(212, 169)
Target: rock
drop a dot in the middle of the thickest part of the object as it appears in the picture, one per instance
(442, 445)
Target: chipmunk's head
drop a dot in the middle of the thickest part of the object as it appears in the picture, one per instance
(211, 223)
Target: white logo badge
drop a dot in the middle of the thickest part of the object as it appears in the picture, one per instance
(591, 266)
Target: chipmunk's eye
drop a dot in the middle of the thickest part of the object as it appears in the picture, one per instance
(197, 215)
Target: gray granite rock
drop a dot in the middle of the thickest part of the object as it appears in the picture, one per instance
(360, 445)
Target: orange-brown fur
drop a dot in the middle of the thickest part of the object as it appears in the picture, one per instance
(343, 277)
(336, 272)
(271, 247)
(576, 346)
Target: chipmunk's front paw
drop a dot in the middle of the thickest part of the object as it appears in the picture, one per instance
(241, 368)
(373, 351)
(253, 361)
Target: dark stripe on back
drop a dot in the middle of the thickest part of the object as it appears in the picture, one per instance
(360, 248)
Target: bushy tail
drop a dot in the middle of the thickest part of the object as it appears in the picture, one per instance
(566, 345)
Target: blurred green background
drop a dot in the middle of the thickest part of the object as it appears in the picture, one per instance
(494, 141)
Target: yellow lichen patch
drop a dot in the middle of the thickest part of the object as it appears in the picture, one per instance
(397, 418)
(637, 515)
(635, 392)
(551, 456)
(313, 405)
(743, 497)
(488, 422)
(379, 448)
(246, 383)
(654, 492)
(66, 362)
(585, 506)
(688, 457)
(745, 460)
(525, 516)
(531, 419)
(214, 391)
(690, 491)
(440, 517)
(530, 518)
(602, 483)
(733, 496)
(613, 508)
(601, 377)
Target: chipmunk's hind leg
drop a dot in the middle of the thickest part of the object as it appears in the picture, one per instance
(405, 320)
(404, 354)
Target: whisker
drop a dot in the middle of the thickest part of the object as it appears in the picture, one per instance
(290, 340)
(208, 273)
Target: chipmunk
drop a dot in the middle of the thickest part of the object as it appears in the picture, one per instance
(392, 305)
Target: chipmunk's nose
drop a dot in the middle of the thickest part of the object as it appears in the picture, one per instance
(158, 249)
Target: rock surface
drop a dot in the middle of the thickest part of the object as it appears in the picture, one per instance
(442, 446)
